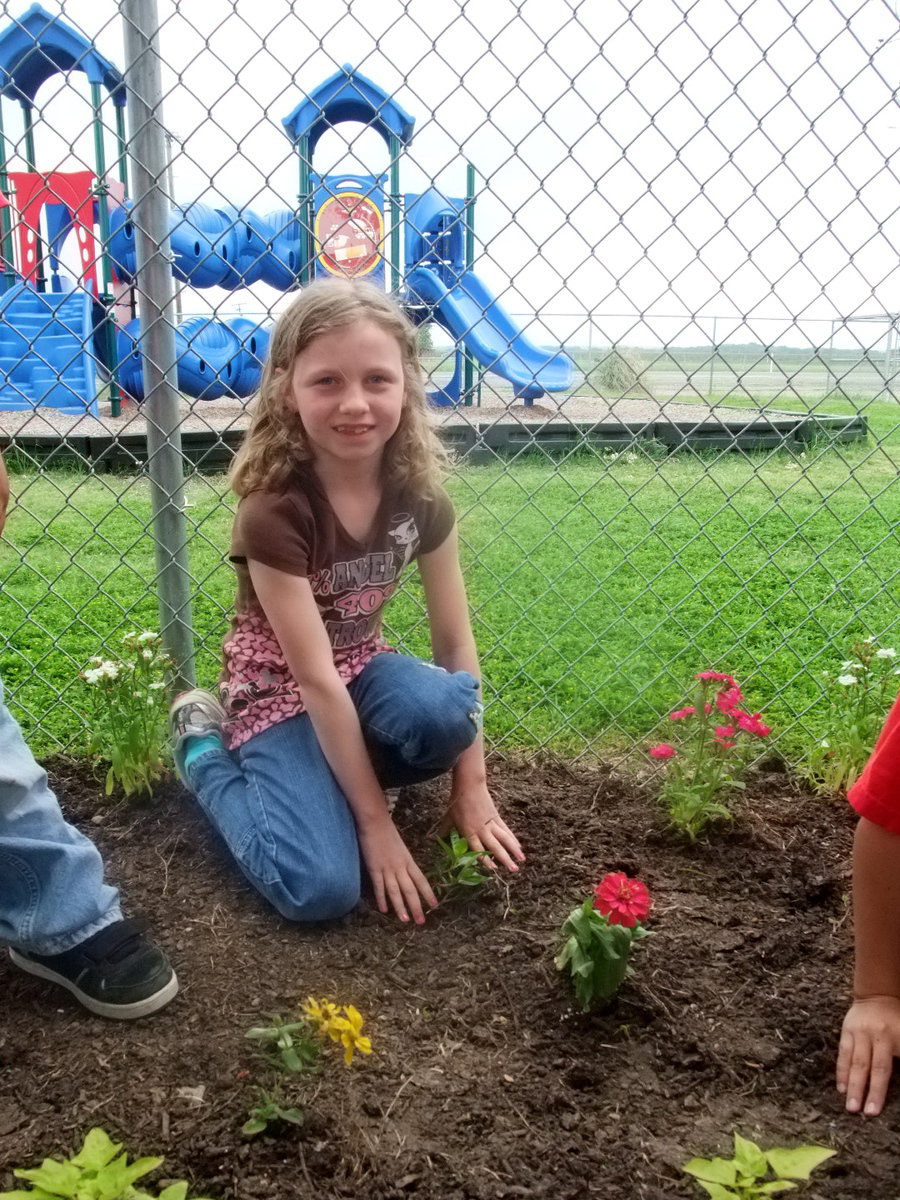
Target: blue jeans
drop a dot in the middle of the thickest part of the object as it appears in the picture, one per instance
(52, 894)
(280, 809)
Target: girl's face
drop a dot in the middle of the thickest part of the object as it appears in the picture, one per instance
(348, 388)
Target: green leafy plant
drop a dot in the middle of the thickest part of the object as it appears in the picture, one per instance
(268, 1111)
(97, 1172)
(710, 755)
(749, 1174)
(859, 697)
(289, 1046)
(128, 712)
(598, 936)
(460, 868)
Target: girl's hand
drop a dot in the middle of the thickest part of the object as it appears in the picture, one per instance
(396, 879)
(869, 1041)
(473, 814)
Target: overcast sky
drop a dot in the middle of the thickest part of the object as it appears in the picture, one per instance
(650, 160)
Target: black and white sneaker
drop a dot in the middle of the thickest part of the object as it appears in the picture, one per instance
(116, 973)
(196, 713)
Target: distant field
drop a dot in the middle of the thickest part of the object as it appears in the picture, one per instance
(790, 378)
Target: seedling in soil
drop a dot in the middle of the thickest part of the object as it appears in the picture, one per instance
(129, 713)
(96, 1170)
(710, 753)
(598, 936)
(459, 868)
(269, 1111)
(289, 1046)
(341, 1022)
(749, 1174)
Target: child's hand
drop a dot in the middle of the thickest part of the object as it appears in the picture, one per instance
(870, 1039)
(473, 814)
(396, 879)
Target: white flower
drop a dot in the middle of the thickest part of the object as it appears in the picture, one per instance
(103, 670)
(147, 636)
(154, 687)
(847, 680)
(147, 654)
(129, 636)
(887, 652)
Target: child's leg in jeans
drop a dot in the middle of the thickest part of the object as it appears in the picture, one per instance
(279, 808)
(417, 718)
(52, 894)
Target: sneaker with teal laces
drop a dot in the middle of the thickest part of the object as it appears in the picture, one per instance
(193, 714)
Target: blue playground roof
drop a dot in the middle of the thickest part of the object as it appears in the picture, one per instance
(348, 96)
(38, 44)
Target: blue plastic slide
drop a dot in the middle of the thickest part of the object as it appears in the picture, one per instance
(475, 317)
(46, 340)
(215, 358)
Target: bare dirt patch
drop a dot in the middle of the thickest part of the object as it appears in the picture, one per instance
(485, 1082)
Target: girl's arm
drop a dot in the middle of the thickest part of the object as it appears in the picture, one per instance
(871, 1034)
(472, 810)
(291, 608)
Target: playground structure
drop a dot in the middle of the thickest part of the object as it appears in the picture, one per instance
(65, 335)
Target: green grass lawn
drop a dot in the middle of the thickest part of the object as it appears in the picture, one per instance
(599, 584)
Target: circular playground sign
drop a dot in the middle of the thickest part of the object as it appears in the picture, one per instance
(349, 231)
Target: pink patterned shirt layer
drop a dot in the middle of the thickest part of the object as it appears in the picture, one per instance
(296, 531)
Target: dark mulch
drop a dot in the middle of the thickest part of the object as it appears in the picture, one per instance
(485, 1083)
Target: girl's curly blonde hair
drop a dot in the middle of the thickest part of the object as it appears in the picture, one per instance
(276, 442)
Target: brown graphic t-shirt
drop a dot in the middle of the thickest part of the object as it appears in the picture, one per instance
(296, 531)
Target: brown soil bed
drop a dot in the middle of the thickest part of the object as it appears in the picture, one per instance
(485, 1082)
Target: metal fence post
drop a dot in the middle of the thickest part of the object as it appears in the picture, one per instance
(147, 152)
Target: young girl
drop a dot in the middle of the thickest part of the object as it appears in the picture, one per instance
(338, 486)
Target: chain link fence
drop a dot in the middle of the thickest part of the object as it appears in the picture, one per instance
(651, 252)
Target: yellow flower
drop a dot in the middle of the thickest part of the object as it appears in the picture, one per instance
(321, 1013)
(347, 1029)
(351, 1034)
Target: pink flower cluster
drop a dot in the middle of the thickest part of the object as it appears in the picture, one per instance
(727, 700)
(623, 901)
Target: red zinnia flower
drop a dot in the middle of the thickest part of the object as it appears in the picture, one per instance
(680, 713)
(718, 676)
(622, 900)
(663, 750)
